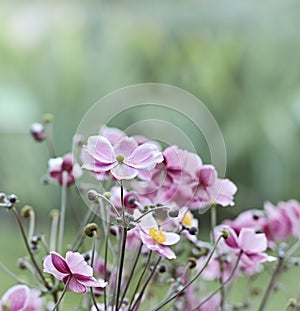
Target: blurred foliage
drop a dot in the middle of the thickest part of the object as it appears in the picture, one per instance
(241, 58)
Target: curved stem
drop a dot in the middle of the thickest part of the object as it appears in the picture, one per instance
(169, 299)
(271, 284)
(28, 248)
(151, 211)
(62, 294)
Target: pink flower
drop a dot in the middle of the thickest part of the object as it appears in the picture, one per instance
(21, 298)
(124, 160)
(64, 164)
(74, 267)
(212, 189)
(153, 238)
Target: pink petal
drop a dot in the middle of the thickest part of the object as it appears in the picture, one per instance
(207, 175)
(112, 134)
(49, 268)
(126, 146)
(101, 149)
(166, 252)
(122, 171)
(59, 263)
(171, 238)
(76, 287)
(89, 281)
(78, 265)
(16, 298)
(252, 242)
(144, 157)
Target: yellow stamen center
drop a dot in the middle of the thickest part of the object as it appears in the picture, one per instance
(187, 220)
(120, 158)
(157, 235)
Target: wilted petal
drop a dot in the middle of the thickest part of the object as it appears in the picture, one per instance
(16, 298)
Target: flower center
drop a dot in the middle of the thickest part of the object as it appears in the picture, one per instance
(120, 158)
(187, 220)
(157, 235)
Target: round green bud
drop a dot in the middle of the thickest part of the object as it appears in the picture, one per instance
(192, 262)
(54, 213)
(90, 228)
(225, 234)
(48, 118)
(107, 194)
(26, 211)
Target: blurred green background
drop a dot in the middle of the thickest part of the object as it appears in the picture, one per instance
(241, 58)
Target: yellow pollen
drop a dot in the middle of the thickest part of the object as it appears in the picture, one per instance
(157, 235)
(187, 220)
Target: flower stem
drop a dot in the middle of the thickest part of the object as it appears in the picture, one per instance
(92, 263)
(19, 221)
(169, 299)
(53, 230)
(62, 211)
(31, 225)
(62, 294)
(271, 284)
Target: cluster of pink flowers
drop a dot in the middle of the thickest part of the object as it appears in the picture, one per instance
(153, 200)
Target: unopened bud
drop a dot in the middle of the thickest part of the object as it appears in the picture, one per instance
(130, 200)
(22, 264)
(193, 231)
(2, 197)
(54, 213)
(48, 118)
(225, 234)
(37, 131)
(192, 262)
(292, 303)
(92, 195)
(26, 211)
(107, 194)
(12, 198)
(173, 212)
(162, 268)
(90, 228)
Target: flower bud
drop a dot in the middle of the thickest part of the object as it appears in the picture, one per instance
(26, 210)
(173, 212)
(37, 131)
(193, 231)
(2, 197)
(292, 303)
(192, 262)
(92, 195)
(12, 198)
(162, 268)
(54, 213)
(90, 228)
(22, 264)
(48, 118)
(130, 200)
(107, 194)
(225, 234)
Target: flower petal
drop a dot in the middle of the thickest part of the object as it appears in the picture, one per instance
(252, 242)
(100, 149)
(16, 298)
(122, 171)
(76, 287)
(49, 268)
(78, 265)
(59, 263)
(126, 146)
(171, 238)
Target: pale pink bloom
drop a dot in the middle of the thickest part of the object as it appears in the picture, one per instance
(282, 221)
(153, 238)
(254, 219)
(251, 244)
(21, 298)
(113, 134)
(211, 189)
(64, 164)
(124, 160)
(74, 267)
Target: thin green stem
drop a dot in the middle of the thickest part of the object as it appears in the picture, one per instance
(271, 284)
(62, 294)
(62, 211)
(92, 264)
(53, 230)
(36, 266)
(12, 275)
(223, 284)
(141, 294)
(140, 279)
(151, 211)
(132, 271)
(169, 299)
(31, 225)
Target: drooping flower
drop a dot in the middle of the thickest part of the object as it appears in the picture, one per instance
(153, 237)
(124, 160)
(73, 270)
(21, 298)
(212, 189)
(64, 164)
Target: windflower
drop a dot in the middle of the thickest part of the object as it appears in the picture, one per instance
(73, 270)
(21, 298)
(124, 160)
(64, 164)
(153, 238)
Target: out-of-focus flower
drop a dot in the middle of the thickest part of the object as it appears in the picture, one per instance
(153, 238)
(64, 164)
(37, 131)
(73, 270)
(212, 189)
(21, 298)
(124, 160)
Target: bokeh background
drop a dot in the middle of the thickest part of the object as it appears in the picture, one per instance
(241, 58)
